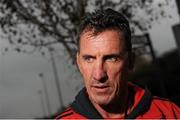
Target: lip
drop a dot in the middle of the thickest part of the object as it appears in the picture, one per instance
(100, 88)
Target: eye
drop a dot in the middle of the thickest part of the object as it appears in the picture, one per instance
(88, 59)
(112, 59)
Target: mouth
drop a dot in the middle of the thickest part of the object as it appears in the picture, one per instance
(100, 88)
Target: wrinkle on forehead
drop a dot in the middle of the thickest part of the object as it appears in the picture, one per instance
(102, 40)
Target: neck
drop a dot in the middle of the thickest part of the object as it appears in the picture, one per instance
(117, 109)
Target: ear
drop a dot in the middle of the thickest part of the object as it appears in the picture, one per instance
(78, 61)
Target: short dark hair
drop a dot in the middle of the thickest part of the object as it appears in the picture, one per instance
(101, 20)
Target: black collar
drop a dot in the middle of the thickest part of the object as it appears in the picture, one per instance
(84, 107)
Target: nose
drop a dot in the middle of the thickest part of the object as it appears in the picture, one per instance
(99, 72)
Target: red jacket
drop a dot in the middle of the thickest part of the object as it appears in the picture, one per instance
(145, 106)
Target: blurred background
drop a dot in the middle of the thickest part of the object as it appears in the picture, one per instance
(38, 74)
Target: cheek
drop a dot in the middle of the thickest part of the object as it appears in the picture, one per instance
(115, 79)
(86, 72)
(115, 76)
(115, 72)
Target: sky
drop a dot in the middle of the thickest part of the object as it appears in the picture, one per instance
(21, 91)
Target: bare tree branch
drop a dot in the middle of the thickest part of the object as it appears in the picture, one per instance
(47, 22)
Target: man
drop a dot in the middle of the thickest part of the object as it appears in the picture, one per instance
(104, 59)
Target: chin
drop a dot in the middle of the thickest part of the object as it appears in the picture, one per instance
(102, 100)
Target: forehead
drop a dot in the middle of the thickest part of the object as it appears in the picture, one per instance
(105, 41)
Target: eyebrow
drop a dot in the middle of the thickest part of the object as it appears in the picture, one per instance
(112, 55)
(105, 56)
(88, 56)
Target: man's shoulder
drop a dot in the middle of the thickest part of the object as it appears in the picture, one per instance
(166, 106)
(69, 113)
(160, 100)
(66, 113)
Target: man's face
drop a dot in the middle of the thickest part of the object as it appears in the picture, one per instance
(102, 62)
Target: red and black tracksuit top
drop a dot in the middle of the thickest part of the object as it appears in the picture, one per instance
(144, 106)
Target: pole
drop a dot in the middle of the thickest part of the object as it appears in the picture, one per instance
(46, 93)
(151, 47)
(42, 102)
(56, 77)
